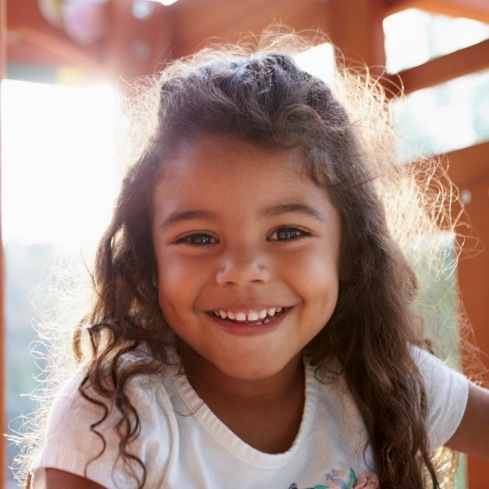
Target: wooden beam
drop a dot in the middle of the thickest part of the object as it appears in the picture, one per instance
(356, 29)
(34, 41)
(131, 47)
(138, 46)
(439, 70)
(471, 9)
(3, 407)
(62, 50)
(469, 165)
(229, 20)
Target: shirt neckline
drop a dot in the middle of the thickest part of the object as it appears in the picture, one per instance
(230, 441)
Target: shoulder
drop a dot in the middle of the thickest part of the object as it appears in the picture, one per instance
(446, 395)
(77, 398)
(457, 405)
(82, 430)
(437, 375)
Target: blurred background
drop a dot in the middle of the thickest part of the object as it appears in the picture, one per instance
(63, 62)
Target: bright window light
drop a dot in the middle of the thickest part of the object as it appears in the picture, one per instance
(58, 185)
(58, 176)
(413, 37)
(318, 61)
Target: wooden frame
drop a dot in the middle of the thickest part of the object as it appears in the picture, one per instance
(3, 33)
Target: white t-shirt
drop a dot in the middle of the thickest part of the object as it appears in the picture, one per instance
(184, 445)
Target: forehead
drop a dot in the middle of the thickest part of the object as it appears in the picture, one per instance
(228, 156)
(221, 169)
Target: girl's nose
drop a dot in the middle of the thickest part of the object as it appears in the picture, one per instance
(243, 268)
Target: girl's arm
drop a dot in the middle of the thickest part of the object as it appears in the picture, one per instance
(59, 478)
(472, 435)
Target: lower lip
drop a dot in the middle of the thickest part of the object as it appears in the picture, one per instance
(238, 329)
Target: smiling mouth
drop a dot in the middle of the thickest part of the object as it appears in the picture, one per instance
(262, 316)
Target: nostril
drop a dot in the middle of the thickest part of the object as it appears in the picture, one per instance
(243, 272)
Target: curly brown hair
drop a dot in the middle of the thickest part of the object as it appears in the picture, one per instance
(264, 98)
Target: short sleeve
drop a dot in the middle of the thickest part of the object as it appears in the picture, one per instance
(447, 393)
(72, 446)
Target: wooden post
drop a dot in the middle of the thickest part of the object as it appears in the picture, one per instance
(137, 46)
(356, 29)
(3, 51)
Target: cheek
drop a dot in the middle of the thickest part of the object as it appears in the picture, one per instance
(179, 285)
(170, 284)
(173, 305)
(319, 277)
(170, 268)
(319, 266)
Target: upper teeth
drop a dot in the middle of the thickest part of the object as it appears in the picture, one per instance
(250, 315)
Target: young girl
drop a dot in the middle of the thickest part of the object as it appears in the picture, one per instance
(255, 323)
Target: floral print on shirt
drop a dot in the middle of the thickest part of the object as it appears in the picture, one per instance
(345, 479)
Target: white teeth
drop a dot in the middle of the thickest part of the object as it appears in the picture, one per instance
(253, 316)
(250, 316)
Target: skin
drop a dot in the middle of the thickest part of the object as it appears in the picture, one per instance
(472, 435)
(232, 255)
(59, 478)
(239, 229)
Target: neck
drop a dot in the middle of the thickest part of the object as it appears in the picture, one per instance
(206, 379)
(265, 413)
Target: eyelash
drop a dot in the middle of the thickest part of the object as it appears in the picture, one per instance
(286, 233)
(291, 233)
(198, 239)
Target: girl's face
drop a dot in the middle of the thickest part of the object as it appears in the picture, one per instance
(248, 252)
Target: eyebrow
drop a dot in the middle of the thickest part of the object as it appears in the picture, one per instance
(274, 211)
(187, 215)
(294, 208)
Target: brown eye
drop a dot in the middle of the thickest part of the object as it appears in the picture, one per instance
(198, 239)
(288, 234)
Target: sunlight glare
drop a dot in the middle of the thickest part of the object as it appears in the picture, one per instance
(58, 176)
(318, 61)
(413, 37)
